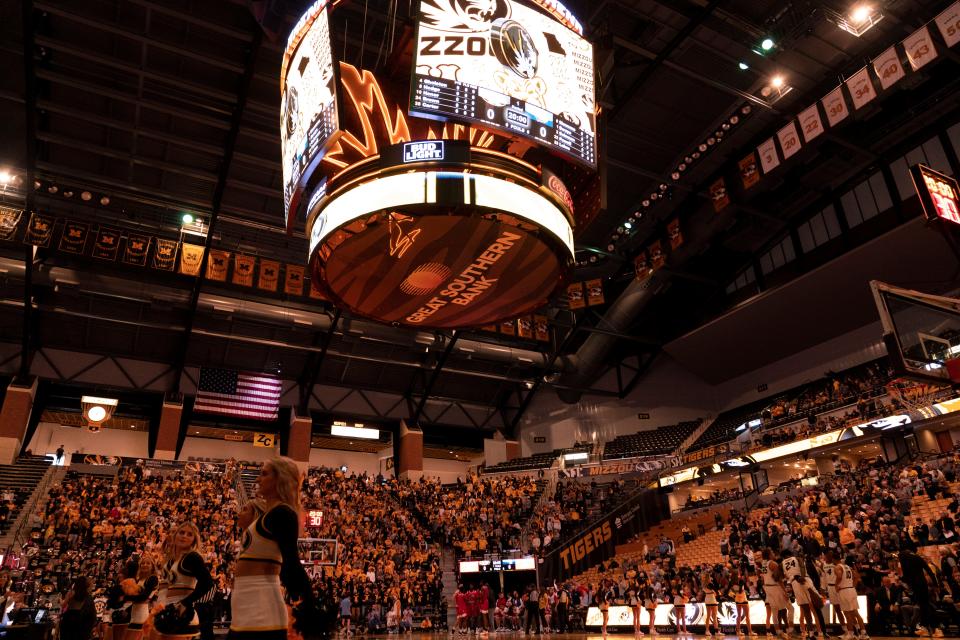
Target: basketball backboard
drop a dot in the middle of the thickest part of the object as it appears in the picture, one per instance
(921, 332)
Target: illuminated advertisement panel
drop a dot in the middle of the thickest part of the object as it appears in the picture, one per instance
(308, 105)
(696, 614)
(508, 66)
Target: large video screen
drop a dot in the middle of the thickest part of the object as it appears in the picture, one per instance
(308, 105)
(509, 66)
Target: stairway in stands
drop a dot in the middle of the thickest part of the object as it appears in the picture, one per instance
(448, 565)
(29, 480)
(248, 477)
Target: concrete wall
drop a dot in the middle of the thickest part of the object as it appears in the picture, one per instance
(446, 470)
(355, 461)
(112, 442)
(223, 449)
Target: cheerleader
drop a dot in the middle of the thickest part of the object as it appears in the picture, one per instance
(680, 600)
(743, 609)
(650, 604)
(269, 557)
(142, 591)
(604, 596)
(710, 599)
(635, 603)
(188, 579)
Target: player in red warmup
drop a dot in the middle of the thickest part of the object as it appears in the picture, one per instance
(484, 605)
(460, 598)
(473, 607)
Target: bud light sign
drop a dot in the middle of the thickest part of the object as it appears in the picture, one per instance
(423, 151)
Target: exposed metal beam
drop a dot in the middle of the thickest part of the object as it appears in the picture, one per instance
(228, 148)
(30, 154)
(311, 369)
(434, 375)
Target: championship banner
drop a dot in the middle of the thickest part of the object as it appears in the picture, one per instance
(948, 23)
(40, 230)
(810, 123)
(575, 296)
(861, 88)
(525, 327)
(657, 257)
(641, 267)
(888, 68)
(269, 275)
(107, 244)
(719, 195)
(789, 140)
(769, 160)
(165, 255)
(507, 328)
(919, 47)
(541, 328)
(594, 292)
(135, 252)
(9, 219)
(674, 233)
(217, 265)
(835, 106)
(749, 175)
(243, 270)
(73, 238)
(293, 283)
(191, 256)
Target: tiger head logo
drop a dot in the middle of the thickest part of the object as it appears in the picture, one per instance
(463, 15)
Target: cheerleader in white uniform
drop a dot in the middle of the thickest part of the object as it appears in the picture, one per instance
(269, 561)
(188, 579)
(145, 588)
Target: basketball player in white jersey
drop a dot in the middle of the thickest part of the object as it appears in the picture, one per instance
(847, 596)
(830, 579)
(805, 593)
(776, 596)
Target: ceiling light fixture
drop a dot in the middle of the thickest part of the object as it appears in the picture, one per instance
(860, 19)
(97, 410)
(6, 177)
(743, 66)
(767, 44)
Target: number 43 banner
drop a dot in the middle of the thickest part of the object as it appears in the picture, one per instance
(268, 440)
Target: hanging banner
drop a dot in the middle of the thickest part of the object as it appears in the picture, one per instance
(919, 47)
(541, 328)
(718, 195)
(861, 88)
(40, 230)
(749, 175)
(107, 244)
(507, 328)
(217, 265)
(789, 140)
(641, 267)
(769, 160)
(73, 238)
(315, 293)
(293, 283)
(835, 106)
(657, 257)
(525, 327)
(675, 235)
(191, 256)
(575, 296)
(9, 219)
(810, 123)
(269, 275)
(135, 251)
(594, 292)
(948, 23)
(888, 68)
(243, 270)
(165, 254)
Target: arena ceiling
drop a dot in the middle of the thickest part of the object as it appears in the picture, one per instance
(161, 107)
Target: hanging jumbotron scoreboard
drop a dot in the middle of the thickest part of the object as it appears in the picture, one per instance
(444, 198)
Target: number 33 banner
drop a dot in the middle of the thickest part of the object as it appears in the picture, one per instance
(268, 440)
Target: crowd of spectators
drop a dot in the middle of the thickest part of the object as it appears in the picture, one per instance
(716, 497)
(475, 516)
(573, 506)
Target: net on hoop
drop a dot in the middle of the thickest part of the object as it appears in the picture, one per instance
(913, 394)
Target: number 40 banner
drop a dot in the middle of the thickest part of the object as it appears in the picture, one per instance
(268, 440)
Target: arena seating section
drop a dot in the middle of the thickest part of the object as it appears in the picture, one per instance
(529, 463)
(17, 482)
(660, 441)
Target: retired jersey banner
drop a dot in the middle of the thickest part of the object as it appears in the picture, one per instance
(269, 275)
(641, 267)
(40, 230)
(218, 264)
(674, 233)
(811, 125)
(107, 244)
(749, 175)
(525, 327)
(191, 256)
(73, 239)
(719, 196)
(861, 88)
(575, 296)
(920, 48)
(657, 257)
(315, 292)
(165, 254)
(949, 24)
(835, 106)
(888, 68)
(9, 220)
(243, 270)
(135, 252)
(507, 328)
(541, 328)
(789, 139)
(594, 291)
(769, 160)
(293, 283)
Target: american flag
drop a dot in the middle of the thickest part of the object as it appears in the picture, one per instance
(241, 394)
